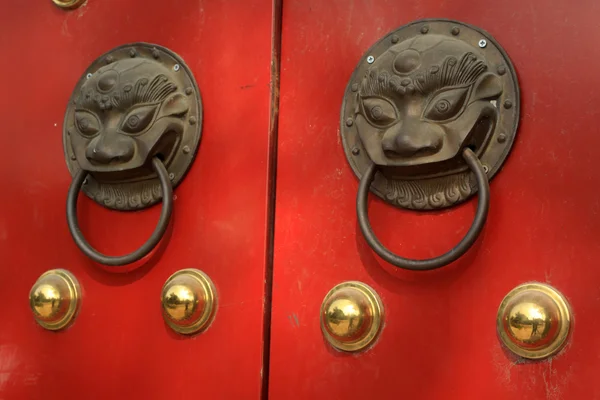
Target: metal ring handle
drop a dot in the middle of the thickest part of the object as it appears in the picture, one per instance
(461, 248)
(159, 231)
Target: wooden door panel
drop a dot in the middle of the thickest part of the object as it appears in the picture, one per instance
(439, 339)
(119, 346)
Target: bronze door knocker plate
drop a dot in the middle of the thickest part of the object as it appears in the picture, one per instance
(130, 134)
(428, 118)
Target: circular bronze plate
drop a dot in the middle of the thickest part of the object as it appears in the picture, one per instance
(418, 97)
(136, 102)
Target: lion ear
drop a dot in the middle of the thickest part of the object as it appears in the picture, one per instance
(175, 104)
(488, 86)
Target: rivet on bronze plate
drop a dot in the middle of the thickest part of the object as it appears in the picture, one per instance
(68, 4)
(189, 301)
(55, 298)
(534, 321)
(351, 316)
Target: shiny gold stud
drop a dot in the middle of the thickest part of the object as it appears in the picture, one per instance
(68, 4)
(188, 301)
(54, 299)
(534, 321)
(351, 316)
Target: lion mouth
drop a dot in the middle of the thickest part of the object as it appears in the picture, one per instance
(165, 150)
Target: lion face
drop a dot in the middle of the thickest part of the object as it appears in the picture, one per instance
(125, 114)
(423, 100)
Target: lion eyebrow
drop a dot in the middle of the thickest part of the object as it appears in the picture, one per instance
(382, 83)
(141, 91)
(452, 72)
(144, 91)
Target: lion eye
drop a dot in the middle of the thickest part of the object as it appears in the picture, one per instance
(138, 119)
(378, 111)
(87, 123)
(446, 105)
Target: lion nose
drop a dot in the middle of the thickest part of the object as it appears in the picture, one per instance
(406, 146)
(413, 139)
(103, 150)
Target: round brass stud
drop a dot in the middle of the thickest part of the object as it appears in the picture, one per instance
(188, 301)
(68, 4)
(54, 299)
(351, 316)
(534, 321)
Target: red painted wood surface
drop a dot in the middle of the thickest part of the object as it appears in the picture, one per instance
(119, 346)
(439, 339)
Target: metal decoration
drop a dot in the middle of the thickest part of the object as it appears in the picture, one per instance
(68, 4)
(428, 117)
(430, 92)
(351, 316)
(135, 103)
(130, 134)
(189, 301)
(534, 321)
(54, 299)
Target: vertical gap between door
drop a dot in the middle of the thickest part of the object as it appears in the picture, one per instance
(277, 7)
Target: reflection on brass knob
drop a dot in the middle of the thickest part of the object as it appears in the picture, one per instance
(68, 4)
(188, 301)
(54, 299)
(351, 316)
(534, 320)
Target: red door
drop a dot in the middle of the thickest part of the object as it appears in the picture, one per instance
(439, 338)
(119, 346)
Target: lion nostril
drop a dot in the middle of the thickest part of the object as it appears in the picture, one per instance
(425, 151)
(391, 153)
(388, 146)
(390, 149)
(433, 145)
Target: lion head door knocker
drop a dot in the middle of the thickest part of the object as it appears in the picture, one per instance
(130, 134)
(428, 117)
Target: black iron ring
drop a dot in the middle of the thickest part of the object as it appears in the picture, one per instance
(461, 248)
(159, 231)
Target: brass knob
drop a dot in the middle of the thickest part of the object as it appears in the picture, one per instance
(351, 316)
(68, 4)
(54, 299)
(188, 301)
(534, 321)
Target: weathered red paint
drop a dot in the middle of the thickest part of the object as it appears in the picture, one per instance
(439, 339)
(119, 346)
